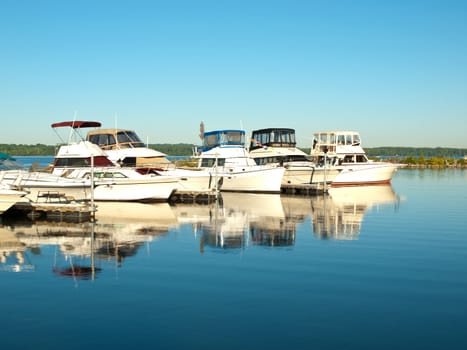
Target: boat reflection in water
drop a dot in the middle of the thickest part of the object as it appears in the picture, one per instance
(235, 222)
(340, 214)
(120, 230)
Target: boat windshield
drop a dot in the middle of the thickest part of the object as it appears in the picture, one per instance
(109, 140)
(273, 138)
(225, 137)
(9, 163)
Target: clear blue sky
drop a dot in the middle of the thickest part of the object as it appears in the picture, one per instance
(396, 70)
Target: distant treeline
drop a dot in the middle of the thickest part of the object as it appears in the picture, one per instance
(185, 149)
(416, 152)
(47, 150)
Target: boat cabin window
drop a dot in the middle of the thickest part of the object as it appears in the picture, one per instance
(340, 139)
(102, 139)
(274, 138)
(106, 175)
(348, 139)
(356, 139)
(130, 138)
(210, 162)
(224, 138)
(361, 158)
(82, 162)
(348, 159)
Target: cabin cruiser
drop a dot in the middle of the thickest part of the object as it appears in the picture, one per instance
(85, 160)
(278, 146)
(344, 150)
(37, 184)
(125, 148)
(224, 155)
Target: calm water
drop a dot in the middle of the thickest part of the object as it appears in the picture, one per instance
(380, 267)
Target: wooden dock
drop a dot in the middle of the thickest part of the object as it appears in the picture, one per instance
(57, 207)
(195, 197)
(305, 189)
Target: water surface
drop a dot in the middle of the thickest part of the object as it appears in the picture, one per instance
(362, 268)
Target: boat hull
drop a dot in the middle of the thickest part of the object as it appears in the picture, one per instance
(36, 184)
(308, 175)
(371, 173)
(159, 189)
(260, 180)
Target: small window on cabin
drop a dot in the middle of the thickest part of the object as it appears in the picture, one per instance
(210, 140)
(210, 162)
(341, 140)
(332, 139)
(235, 137)
(104, 139)
(348, 159)
(348, 139)
(115, 175)
(323, 138)
(361, 158)
(356, 139)
(122, 137)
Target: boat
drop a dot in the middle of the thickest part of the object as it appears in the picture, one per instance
(224, 155)
(278, 146)
(82, 159)
(344, 150)
(125, 149)
(14, 176)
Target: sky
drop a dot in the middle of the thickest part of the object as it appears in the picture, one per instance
(395, 71)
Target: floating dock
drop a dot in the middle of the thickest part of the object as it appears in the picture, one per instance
(56, 206)
(195, 197)
(305, 189)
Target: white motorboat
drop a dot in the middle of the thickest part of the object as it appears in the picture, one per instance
(125, 148)
(278, 146)
(224, 155)
(344, 150)
(35, 183)
(85, 160)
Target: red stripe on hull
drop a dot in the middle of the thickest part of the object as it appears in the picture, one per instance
(341, 184)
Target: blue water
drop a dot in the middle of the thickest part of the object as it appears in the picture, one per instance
(377, 268)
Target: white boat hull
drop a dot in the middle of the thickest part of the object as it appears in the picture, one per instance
(37, 184)
(308, 175)
(370, 173)
(263, 180)
(158, 189)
